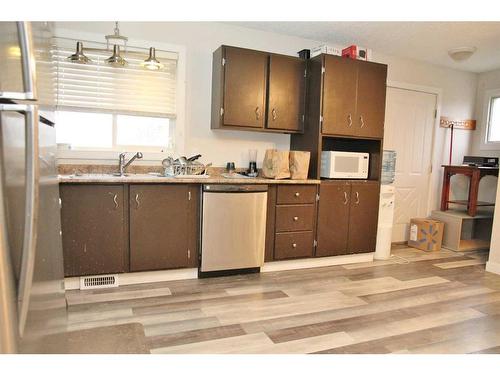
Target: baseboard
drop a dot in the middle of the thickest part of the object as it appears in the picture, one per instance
(142, 277)
(493, 267)
(296, 264)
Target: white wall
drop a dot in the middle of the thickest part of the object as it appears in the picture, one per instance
(202, 38)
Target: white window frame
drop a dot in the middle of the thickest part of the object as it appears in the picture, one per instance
(485, 144)
(79, 156)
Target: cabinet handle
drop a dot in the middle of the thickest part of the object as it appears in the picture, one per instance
(361, 121)
(257, 113)
(357, 198)
(137, 201)
(345, 198)
(295, 218)
(349, 120)
(294, 245)
(115, 200)
(274, 114)
(297, 194)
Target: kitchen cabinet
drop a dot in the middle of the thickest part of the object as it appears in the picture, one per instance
(363, 217)
(347, 217)
(333, 218)
(259, 91)
(353, 97)
(94, 229)
(291, 225)
(163, 226)
(286, 93)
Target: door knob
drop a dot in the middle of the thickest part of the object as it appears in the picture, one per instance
(295, 218)
(297, 194)
(294, 245)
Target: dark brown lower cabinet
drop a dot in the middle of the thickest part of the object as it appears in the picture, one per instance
(363, 217)
(94, 229)
(333, 218)
(347, 217)
(163, 226)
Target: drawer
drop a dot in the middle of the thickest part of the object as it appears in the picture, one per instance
(293, 245)
(294, 218)
(296, 194)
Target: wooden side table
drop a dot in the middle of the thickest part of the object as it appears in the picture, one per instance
(475, 174)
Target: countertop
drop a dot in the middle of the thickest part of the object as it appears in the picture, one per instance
(96, 178)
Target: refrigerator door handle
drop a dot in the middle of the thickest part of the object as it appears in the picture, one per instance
(28, 65)
(31, 208)
(28, 58)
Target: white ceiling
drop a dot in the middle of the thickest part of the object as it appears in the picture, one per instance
(425, 41)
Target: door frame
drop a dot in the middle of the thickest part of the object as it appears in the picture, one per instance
(437, 139)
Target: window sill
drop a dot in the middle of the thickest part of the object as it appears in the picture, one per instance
(105, 157)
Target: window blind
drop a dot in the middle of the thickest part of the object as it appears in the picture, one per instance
(101, 87)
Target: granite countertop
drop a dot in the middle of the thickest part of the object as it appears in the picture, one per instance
(150, 179)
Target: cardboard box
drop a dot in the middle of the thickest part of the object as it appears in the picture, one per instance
(357, 52)
(426, 234)
(324, 48)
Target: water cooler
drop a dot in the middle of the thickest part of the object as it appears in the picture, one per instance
(386, 206)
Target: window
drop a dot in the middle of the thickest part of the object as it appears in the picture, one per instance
(104, 108)
(494, 120)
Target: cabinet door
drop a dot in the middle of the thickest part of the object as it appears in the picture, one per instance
(286, 93)
(244, 87)
(339, 95)
(370, 112)
(333, 218)
(94, 229)
(363, 218)
(161, 229)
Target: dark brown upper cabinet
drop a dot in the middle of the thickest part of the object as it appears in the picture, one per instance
(94, 229)
(286, 93)
(259, 91)
(339, 96)
(163, 226)
(353, 97)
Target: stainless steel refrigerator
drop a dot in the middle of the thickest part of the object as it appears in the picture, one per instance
(32, 300)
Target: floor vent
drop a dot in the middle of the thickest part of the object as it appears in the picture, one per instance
(96, 282)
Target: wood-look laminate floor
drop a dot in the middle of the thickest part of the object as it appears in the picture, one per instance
(416, 302)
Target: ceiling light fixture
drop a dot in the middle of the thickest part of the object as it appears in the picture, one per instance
(115, 59)
(461, 53)
(119, 43)
(152, 62)
(78, 57)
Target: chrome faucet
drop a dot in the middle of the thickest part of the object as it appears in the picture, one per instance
(121, 163)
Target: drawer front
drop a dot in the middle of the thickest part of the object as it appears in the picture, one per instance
(296, 194)
(294, 218)
(293, 245)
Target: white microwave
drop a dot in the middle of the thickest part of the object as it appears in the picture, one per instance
(341, 164)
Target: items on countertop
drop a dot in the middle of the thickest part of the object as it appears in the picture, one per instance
(276, 164)
(299, 164)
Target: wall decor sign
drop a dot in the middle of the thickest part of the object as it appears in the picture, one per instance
(446, 122)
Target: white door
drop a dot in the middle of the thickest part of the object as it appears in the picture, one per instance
(409, 126)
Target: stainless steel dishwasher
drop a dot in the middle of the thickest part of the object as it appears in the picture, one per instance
(233, 228)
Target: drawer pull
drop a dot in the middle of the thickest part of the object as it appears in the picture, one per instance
(294, 245)
(295, 218)
(297, 194)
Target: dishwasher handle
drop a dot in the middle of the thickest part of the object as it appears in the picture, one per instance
(227, 188)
